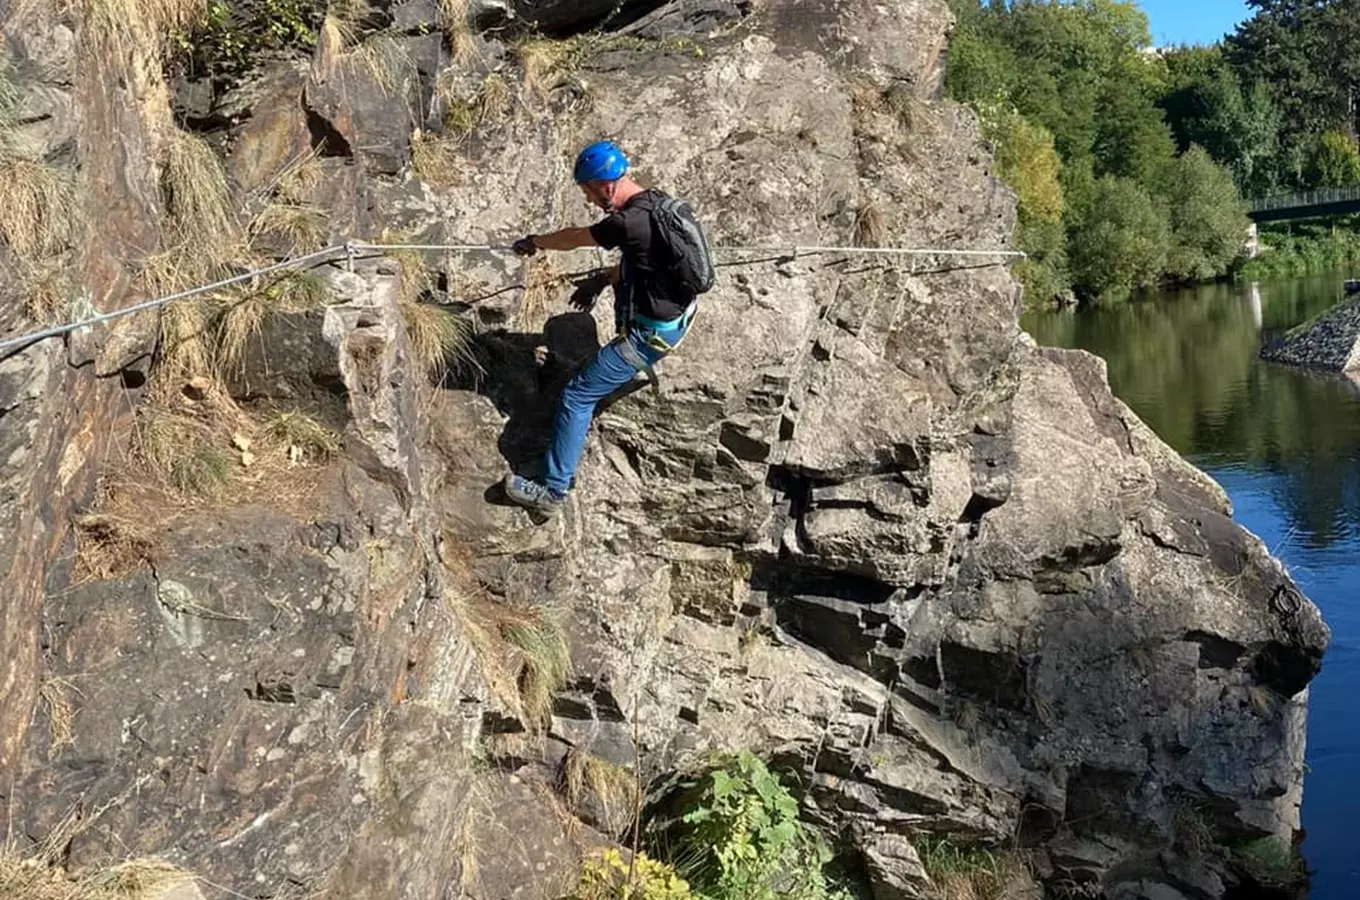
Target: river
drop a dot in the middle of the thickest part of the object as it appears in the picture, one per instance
(1286, 446)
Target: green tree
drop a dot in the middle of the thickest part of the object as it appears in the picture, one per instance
(1208, 222)
(1289, 46)
(1336, 163)
(1120, 241)
(1132, 137)
(1027, 160)
(1206, 104)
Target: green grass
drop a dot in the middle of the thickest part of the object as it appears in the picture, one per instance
(1305, 250)
(967, 872)
(1270, 862)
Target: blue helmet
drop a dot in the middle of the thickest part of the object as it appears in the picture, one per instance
(601, 161)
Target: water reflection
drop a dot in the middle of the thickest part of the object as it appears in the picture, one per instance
(1286, 446)
(1188, 366)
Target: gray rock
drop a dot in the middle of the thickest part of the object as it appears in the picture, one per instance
(365, 107)
(1331, 341)
(270, 129)
(895, 871)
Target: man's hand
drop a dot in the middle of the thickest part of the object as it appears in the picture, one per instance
(588, 289)
(525, 246)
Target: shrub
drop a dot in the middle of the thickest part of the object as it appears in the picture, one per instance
(746, 841)
(608, 876)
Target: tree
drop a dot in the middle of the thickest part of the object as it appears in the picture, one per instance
(1027, 160)
(1336, 163)
(1287, 46)
(1120, 241)
(1208, 222)
(1206, 104)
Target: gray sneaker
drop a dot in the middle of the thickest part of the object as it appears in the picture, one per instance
(533, 496)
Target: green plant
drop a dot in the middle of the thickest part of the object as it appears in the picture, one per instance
(606, 875)
(231, 36)
(1270, 862)
(746, 841)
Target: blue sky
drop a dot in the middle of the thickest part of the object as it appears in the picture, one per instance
(1192, 21)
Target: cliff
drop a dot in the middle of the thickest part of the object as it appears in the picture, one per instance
(863, 526)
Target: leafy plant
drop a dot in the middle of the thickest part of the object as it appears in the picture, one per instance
(747, 842)
(608, 876)
(233, 35)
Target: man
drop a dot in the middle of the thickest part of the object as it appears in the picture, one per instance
(665, 264)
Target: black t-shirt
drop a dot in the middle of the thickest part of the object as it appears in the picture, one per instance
(643, 279)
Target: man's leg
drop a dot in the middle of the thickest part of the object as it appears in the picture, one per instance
(606, 373)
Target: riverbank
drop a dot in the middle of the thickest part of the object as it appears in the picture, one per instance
(1305, 249)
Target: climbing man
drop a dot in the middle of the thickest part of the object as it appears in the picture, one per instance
(665, 265)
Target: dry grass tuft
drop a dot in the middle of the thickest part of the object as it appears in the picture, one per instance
(304, 437)
(143, 877)
(523, 651)
(544, 63)
(196, 193)
(464, 111)
(302, 227)
(37, 879)
(243, 311)
(970, 873)
(55, 694)
(485, 619)
(47, 289)
(183, 453)
(539, 277)
(435, 159)
(871, 229)
(109, 546)
(186, 351)
(383, 54)
(456, 21)
(37, 206)
(119, 28)
(441, 340)
(544, 665)
(388, 60)
(615, 788)
(495, 97)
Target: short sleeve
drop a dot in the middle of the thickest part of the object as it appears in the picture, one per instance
(610, 232)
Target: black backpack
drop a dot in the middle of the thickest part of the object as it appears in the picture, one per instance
(683, 249)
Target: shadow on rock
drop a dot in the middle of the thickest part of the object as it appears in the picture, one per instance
(525, 390)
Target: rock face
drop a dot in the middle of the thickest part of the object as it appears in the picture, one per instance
(1330, 342)
(864, 527)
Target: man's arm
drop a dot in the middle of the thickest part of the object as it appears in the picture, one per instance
(565, 239)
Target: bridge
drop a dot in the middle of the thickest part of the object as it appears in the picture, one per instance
(1305, 205)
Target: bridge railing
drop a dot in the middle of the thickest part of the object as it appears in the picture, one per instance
(1320, 197)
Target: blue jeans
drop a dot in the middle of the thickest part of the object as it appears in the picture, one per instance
(613, 367)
